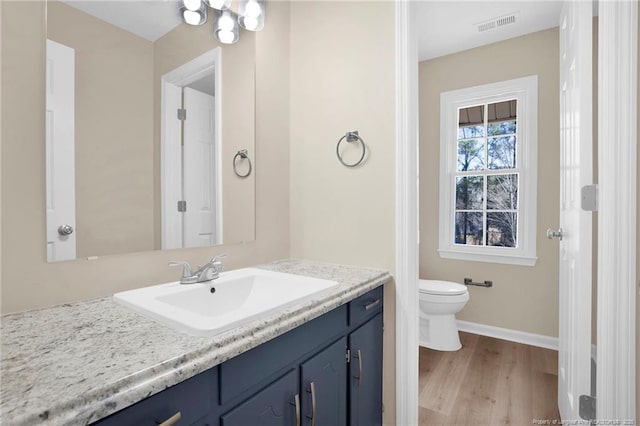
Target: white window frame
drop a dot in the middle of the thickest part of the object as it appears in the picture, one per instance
(525, 91)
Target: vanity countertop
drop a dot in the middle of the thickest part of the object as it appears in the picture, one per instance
(76, 363)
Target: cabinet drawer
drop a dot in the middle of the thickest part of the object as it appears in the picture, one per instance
(193, 398)
(365, 306)
(244, 372)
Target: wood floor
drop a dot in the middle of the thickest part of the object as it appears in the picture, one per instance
(488, 382)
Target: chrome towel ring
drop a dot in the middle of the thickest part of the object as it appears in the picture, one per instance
(351, 137)
(243, 154)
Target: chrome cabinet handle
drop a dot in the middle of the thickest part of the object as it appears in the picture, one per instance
(296, 403)
(372, 304)
(312, 391)
(65, 230)
(551, 234)
(171, 420)
(359, 376)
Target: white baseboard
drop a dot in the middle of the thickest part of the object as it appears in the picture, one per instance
(508, 334)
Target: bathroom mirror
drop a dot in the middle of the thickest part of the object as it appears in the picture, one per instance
(150, 140)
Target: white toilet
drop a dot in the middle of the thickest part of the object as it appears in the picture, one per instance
(439, 303)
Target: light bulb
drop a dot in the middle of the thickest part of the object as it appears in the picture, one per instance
(192, 17)
(220, 4)
(225, 22)
(192, 5)
(251, 23)
(226, 37)
(252, 9)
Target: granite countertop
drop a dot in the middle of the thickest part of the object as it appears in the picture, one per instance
(77, 363)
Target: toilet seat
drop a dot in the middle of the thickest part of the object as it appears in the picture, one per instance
(442, 288)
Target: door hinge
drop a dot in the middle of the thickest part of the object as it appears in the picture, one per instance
(182, 206)
(587, 409)
(589, 197)
(348, 356)
(182, 114)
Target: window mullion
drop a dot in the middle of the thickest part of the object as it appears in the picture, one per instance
(484, 179)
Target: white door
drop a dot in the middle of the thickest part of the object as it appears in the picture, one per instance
(199, 172)
(574, 369)
(60, 152)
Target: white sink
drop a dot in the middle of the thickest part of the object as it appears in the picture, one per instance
(236, 298)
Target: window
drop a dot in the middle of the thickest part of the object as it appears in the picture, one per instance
(488, 172)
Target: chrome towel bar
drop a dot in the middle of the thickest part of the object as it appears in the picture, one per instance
(469, 281)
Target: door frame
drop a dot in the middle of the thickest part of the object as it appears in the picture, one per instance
(617, 233)
(170, 157)
(406, 261)
(618, 125)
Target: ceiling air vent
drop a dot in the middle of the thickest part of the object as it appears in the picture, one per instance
(500, 21)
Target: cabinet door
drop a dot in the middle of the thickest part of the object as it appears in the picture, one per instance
(273, 406)
(324, 396)
(365, 371)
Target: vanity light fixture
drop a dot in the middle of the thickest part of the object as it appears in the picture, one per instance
(194, 17)
(251, 14)
(225, 28)
(219, 4)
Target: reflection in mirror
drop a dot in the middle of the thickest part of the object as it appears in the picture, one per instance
(144, 117)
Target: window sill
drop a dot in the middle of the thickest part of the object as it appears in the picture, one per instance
(509, 259)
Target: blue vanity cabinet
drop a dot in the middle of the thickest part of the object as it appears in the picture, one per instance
(324, 390)
(276, 405)
(365, 374)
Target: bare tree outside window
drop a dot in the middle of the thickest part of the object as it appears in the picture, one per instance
(486, 205)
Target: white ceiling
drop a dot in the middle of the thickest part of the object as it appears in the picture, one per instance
(446, 27)
(150, 19)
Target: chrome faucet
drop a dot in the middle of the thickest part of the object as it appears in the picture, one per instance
(207, 272)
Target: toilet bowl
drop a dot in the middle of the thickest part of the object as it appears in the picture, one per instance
(439, 303)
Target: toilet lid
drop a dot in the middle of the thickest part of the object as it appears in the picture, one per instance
(446, 288)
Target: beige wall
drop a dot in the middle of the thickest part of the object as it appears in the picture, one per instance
(178, 47)
(522, 298)
(28, 281)
(342, 79)
(114, 149)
